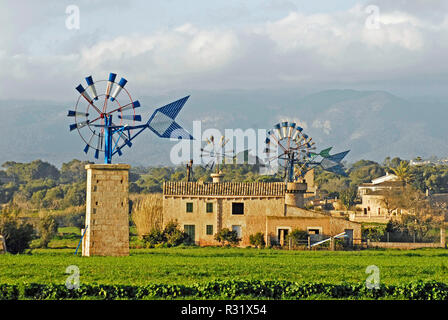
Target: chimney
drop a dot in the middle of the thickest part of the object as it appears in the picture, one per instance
(189, 166)
(217, 177)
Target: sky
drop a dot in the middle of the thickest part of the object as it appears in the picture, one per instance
(397, 46)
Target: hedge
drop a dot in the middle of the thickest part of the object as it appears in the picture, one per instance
(420, 290)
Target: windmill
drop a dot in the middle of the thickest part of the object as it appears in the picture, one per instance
(292, 149)
(214, 153)
(94, 118)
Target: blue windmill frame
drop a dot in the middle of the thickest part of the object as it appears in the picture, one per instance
(162, 122)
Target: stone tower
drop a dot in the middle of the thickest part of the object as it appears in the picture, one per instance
(294, 194)
(107, 210)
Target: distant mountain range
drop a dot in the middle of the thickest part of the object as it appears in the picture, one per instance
(372, 124)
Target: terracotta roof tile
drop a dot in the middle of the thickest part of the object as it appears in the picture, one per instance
(224, 188)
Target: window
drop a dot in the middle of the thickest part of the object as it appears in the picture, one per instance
(237, 229)
(189, 207)
(209, 229)
(313, 230)
(209, 207)
(237, 208)
(190, 230)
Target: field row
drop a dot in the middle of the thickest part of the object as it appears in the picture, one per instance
(229, 290)
(188, 266)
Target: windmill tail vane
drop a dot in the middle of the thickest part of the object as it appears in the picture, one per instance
(95, 125)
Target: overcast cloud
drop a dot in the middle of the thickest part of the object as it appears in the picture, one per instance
(165, 46)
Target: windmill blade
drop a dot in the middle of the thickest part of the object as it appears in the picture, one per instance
(117, 91)
(131, 105)
(78, 125)
(136, 117)
(83, 92)
(91, 87)
(110, 84)
(284, 127)
(86, 148)
(72, 113)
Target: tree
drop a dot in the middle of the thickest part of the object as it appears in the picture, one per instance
(418, 216)
(402, 171)
(47, 229)
(73, 171)
(348, 197)
(226, 236)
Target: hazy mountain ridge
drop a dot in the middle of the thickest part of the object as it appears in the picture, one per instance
(372, 124)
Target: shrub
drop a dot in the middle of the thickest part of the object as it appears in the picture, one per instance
(257, 240)
(18, 235)
(297, 237)
(174, 236)
(225, 235)
(153, 238)
(171, 236)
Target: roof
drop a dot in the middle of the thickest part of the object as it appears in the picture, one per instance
(382, 184)
(253, 189)
(387, 177)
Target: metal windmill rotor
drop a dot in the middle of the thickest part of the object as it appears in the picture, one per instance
(93, 118)
(214, 152)
(287, 145)
(292, 149)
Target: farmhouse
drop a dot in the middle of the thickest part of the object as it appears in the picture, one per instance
(202, 209)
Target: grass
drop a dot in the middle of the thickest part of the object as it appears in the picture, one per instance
(192, 264)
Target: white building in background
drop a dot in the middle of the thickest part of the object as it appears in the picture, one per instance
(373, 207)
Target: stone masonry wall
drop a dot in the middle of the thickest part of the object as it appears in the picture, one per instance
(107, 210)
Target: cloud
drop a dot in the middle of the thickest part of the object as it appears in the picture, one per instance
(184, 50)
(317, 50)
(325, 125)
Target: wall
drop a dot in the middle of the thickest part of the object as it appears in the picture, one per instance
(253, 220)
(107, 210)
(329, 226)
(403, 245)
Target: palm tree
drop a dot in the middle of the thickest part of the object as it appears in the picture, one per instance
(403, 172)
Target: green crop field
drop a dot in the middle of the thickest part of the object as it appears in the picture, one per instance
(190, 265)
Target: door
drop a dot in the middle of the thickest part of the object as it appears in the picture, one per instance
(349, 237)
(282, 236)
(190, 229)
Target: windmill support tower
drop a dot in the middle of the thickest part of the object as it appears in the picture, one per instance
(294, 195)
(107, 210)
